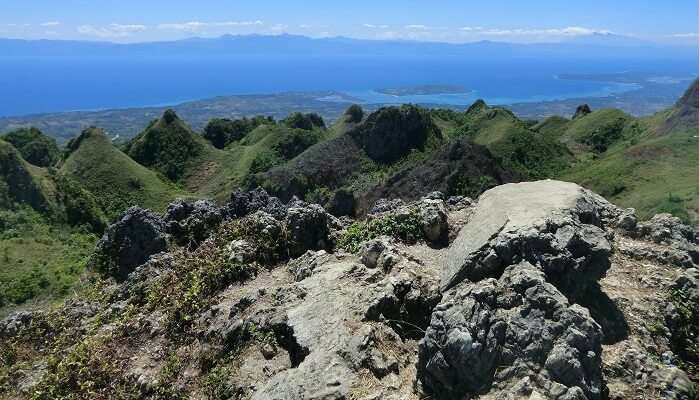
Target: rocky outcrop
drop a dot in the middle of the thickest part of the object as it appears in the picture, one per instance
(265, 307)
(516, 335)
(582, 111)
(191, 223)
(128, 243)
(390, 133)
(556, 226)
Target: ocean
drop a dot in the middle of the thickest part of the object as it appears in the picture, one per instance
(30, 85)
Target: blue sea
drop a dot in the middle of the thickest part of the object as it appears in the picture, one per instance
(31, 85)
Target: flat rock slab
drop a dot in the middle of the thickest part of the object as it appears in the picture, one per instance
(505, 209)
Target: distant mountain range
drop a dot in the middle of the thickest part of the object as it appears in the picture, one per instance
(597, 45)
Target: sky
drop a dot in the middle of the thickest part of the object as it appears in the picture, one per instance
(527, 21)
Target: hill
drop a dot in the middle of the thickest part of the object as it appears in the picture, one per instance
(530, 153)
(347, 170)
(35, 147)
(116, 181)
(167, 145)
(685, 114)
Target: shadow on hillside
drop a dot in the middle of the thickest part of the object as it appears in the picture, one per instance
(607, 314)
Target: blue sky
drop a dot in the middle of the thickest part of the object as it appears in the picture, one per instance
(671, 21)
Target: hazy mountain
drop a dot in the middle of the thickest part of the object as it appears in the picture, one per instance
(594, 46)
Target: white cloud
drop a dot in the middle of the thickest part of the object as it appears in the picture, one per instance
(279, 27)
(51, 23)
(416, 27)
(185, 27)
(372, 26)
(111, 30)
(237, 23)
(571, 31)
(195, 26)
(305, 26)
(688, 35)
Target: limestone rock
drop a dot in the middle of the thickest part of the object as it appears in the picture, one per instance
(486, 337)
(129, 243)
(553, 225)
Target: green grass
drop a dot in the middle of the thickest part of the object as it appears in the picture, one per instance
(218, 172)
(41, 261)
(116, 181)
(656, 174)
(403, 226)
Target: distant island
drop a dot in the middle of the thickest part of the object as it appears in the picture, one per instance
(423, 90)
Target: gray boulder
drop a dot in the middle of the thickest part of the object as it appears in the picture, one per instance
(307, 228)
(191, 223)
(492, 336)
(128, 243)
(553, 225)
(243, 203)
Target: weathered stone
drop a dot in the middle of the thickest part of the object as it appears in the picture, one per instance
(129, 243)
(554, 225)
(307, 229)
(486, 337)
(244, 203)
(191, 223)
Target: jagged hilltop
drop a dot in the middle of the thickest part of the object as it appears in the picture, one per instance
(395, 152)
(685, 113)
(540, 290)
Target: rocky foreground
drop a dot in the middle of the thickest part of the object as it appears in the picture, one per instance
(538, 290)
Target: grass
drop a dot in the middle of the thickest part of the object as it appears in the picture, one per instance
(41, 261)
(116, 181)
(403, 226)
(656, 174)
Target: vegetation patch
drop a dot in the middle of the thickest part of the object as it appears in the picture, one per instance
(685, 334)
(404, 226)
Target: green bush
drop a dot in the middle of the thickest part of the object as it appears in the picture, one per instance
(223, 131)
(685, 335)
(404, 226)
(307, 122)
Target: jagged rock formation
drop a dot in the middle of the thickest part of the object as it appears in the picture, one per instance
(582, 111)
(379, 141)
(537, 297)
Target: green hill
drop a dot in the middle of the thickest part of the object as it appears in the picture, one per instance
(46, 222)
(531, 153)
(651, 164)
(112, 177)
(35, 147)
(167, 145)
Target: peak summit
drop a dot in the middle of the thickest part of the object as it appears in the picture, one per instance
(691, 96)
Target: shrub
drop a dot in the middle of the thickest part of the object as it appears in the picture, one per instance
(404, 226)
(223, 131)
(304, 121)
(685, 334)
